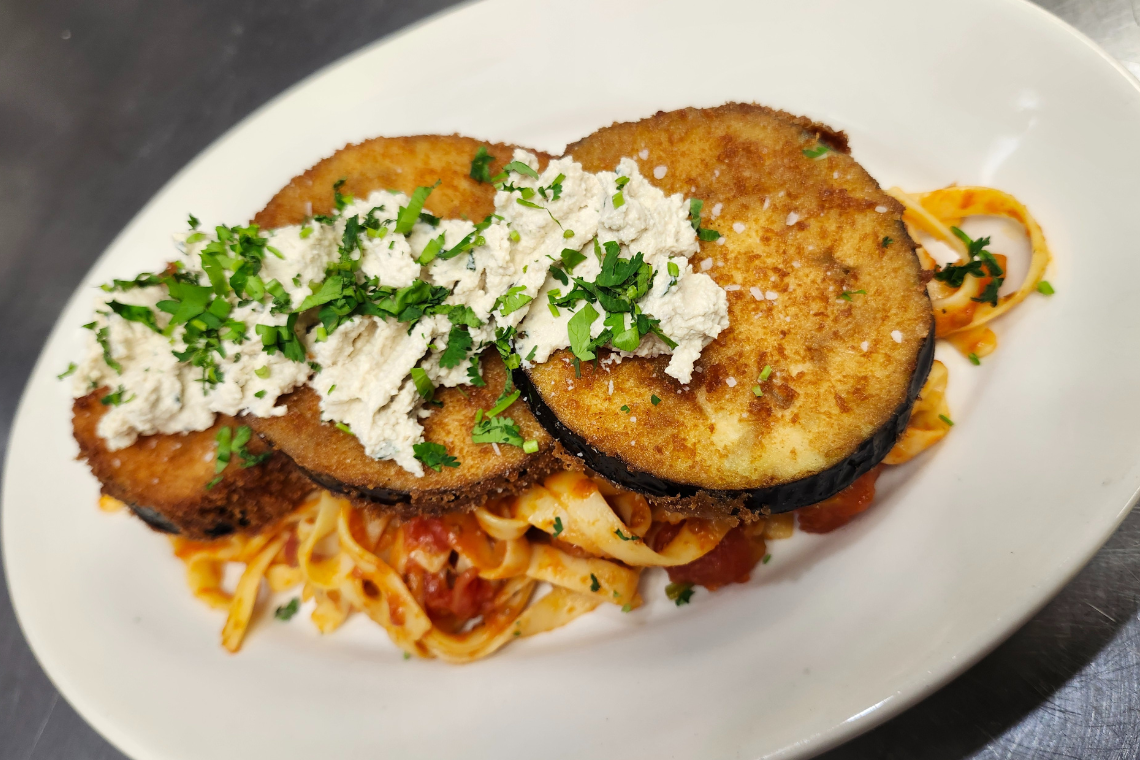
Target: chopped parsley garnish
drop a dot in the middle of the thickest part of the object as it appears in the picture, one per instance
(282, 338)
(624, 537)
(519, 167)
(946, 419)
(973, 357)
(286, 612)
(141, 314)
(144, 280)
(1045, 289)
(259, 394)
(67, 372)
(496, 430)
(408, 215)
(654, 400)
(230, 442)
(423, 383)
(557, 527)
(594, 585)
(627, 608)
(616, 289)
(979, 262)
(679, 593)
(344, 428)
(553, 192)
(430, 251)
(193, 222)
(459, 344)
(817, 151)
(767, 559)
(887, 241)
(674, 273)
(513, 300)
(846, 295)
(571, 258)
(481, 165)
(116, 398)
(625, 408)
(703, 233)
(434, 455)
(473, 376)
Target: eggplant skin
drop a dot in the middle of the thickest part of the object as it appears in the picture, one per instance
(163, 478)
(783, 497)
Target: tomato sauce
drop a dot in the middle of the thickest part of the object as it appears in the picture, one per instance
(841, 508)
(730, 562)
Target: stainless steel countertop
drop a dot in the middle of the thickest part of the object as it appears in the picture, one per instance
(101, 103)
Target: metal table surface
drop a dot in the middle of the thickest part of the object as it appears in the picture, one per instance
(101, 103)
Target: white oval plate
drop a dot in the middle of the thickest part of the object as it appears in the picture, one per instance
(837, 633)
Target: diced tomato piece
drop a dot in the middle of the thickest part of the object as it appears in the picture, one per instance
(730, 561)
(431, 533)
(841, 508)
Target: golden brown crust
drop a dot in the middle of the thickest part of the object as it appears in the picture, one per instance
(167, 475)
(335, 459)
(826, 394)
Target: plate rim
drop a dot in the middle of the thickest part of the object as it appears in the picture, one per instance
(864, 721)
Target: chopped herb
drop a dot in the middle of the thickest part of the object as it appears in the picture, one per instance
(331, 388)
(116, 398)
(67, 372)
(430, 251)
(193, 222)
(520, 168)
(496, 430)
(846, 295)
(102, 336)
(887, 241)
(434, 456)
(625, 408)
(974, 359)
(578, 329)
(627, 608)
(567, 234)
(481, 165)
(817, 151)
(410, 214)
(342, 427)
(262, 372)
(423, 383)
(530, 447)
(140, 314)
(473, 376)
(766, 372)
(459, 343)
(624, 537)
(408, 655)
(506, 398)
(306, 231)
(757, 390)
(286, 612)
(654, 400)
(679, 593)
(513, 300)
(946, 419)
(703, 233)
(1045, 289)
(557, 527)
(259, 394)
(571, 258)
(767, 558)
(514, 236)
(594, 585)
(619, 200)
(979, 262)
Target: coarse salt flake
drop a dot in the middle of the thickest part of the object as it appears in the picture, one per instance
(793, 217)
(757, 293)
(611, 387)
(721, 240)
(495, 446)
(731, 287)
(881, 209)
(738, 227)
(731, 382)
(716, 210)
(772, 295)
(765, 206)
(706, 265)
(643, 154)
(864, 345)
(633, 419)
(896, 336)
(659, 171)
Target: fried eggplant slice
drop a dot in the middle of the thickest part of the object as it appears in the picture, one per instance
(830, 336)
(335, 459)
(164, 478)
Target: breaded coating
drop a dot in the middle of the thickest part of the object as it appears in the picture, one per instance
(163, 478)
(337, 460)
(823, 287)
